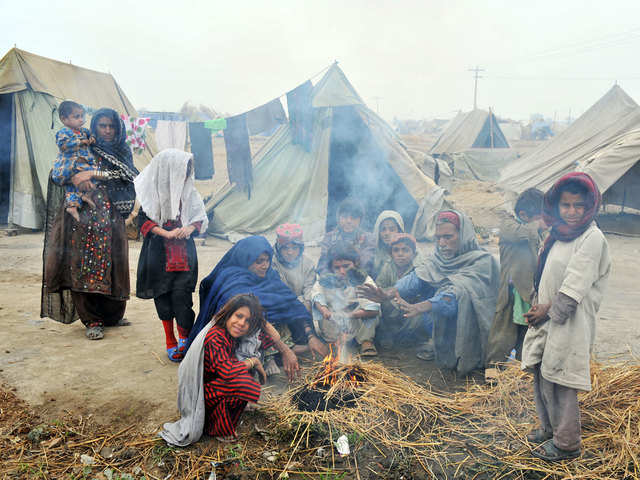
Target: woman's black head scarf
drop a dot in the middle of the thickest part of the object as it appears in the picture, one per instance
(118, 160)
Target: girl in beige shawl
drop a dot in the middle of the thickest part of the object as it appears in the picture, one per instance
(573, 268)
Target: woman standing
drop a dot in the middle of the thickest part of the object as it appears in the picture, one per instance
(86, 262)
(172, 212)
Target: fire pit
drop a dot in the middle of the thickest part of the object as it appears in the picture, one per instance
(334, 386)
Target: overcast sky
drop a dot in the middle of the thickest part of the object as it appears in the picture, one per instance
(410, 58)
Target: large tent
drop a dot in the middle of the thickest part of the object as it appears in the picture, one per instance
(31, 87)
(353, 153)
(603, 141)
(474, 129)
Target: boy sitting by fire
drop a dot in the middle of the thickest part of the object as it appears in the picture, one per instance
(394, 326)
(339, 313)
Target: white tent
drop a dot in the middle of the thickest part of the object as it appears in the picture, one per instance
(601, 141)
(474, 129)
(354, 152)
(31, 87)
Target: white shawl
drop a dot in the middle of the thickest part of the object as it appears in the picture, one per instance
(188, 429)
(161, 189)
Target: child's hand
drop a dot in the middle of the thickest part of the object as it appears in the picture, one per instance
(92, 140)
(261, 373)
(326, 313)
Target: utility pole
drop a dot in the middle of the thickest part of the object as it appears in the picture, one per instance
(476, 71)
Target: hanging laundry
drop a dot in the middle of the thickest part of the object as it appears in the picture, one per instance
(216, 124)
(236, 140)
(171, 134)
(266, 118)
(135, 129)
(301, 114)
(202, 149)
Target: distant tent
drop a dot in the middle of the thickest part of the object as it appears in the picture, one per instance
(604, 140)
(31, 87)
(475, 129)
(615, 167)
(354, 152)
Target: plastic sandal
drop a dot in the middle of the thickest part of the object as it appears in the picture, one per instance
(549, 452)
(174, 354)
(182, 345)
(94, 331)
(368, 349)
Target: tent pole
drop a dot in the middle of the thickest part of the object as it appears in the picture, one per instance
(491, 126)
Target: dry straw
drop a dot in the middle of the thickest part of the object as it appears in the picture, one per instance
(477, 433)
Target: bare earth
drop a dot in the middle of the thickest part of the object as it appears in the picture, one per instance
(127, 377)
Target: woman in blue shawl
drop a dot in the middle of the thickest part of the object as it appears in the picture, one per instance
(246, 268)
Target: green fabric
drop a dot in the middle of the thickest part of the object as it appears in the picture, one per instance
(216, 124)
(520, 307)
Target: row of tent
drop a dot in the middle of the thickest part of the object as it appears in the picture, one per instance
(354, 153)
(604, 142)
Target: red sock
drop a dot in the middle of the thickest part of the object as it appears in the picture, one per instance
(182, 333)
(170, 338)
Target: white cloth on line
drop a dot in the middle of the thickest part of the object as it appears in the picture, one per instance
(171, 134)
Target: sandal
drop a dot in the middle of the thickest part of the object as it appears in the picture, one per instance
(426, 355)
(123, 322)
(95, 331)
(539, 435)
(368, 349)
(549, 452)
(174, 354)
(182, 345)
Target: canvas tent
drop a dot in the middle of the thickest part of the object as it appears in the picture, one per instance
(30, 87)
(353, 152)
(484, 164)
(475, 129)
(602, 141)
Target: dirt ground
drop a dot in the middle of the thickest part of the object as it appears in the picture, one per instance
(127, 377)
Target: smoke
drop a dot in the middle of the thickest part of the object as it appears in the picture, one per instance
(359, 168)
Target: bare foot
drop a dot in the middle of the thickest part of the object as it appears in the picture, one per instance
(228, 439)
(73, 211)
(270, 367)
(87, 199)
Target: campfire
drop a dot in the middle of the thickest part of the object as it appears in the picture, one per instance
(334, 385)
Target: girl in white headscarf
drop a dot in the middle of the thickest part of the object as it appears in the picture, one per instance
(171, 214)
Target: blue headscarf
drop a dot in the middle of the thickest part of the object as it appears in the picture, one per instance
(231, 276)
(118, 159)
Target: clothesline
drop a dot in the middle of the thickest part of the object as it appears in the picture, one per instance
(316, 75)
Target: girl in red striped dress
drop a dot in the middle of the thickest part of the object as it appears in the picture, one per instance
(228, 383)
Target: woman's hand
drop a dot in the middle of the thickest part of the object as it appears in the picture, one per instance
(82, 180)
(317, 346)
(537, 315)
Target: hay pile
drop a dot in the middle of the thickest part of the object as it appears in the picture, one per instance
(480, 432)
(413, 431)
